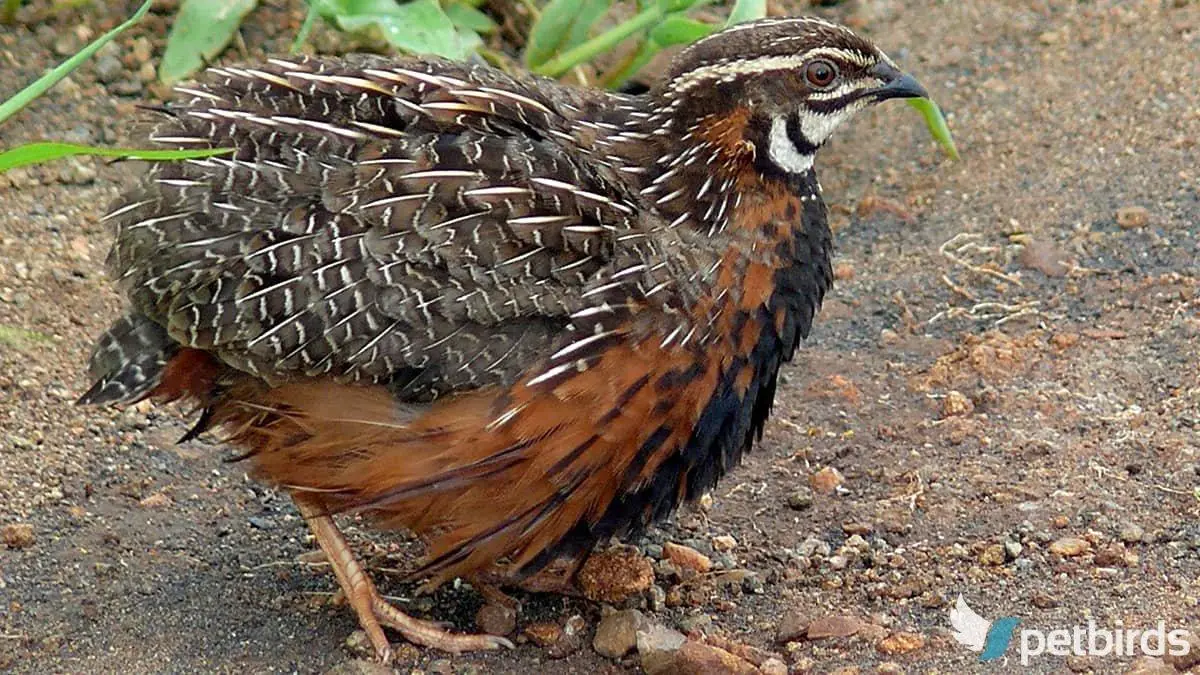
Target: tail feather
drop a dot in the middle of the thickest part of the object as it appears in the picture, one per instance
(128, 361)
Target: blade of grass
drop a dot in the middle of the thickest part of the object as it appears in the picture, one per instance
(43, 83)
(37, 153)
(8, 10)
(936, 123)
(601, 43)
(305, 28)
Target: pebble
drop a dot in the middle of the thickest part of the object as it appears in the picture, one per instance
(1013, 549)
(1112, 555)
(792, 626)
(838, 562)
(615, 575)
(155, 501)
(813, 546)
(686, 557)
(1150, 665)
(496, 619)
(616, 635)
(992, 555)
(1070, 546)
(1131, 533)
(956, 404)
(901, 643)
(543, 634)
(18, 535)
(695, 623)
(656, 645)
(826, 481)
(697, 657)
(1131, 217)
(801, 498)
(108, 68)
(833, 626)
(724, 542)
(773, 666)
(656, 598)
(889, 668)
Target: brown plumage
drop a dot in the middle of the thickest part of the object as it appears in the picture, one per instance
(510, 316)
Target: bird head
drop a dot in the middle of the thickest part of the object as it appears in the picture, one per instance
(780, 87)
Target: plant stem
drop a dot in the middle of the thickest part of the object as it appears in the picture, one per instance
(305, 28)
(601, 43)
(43, 83)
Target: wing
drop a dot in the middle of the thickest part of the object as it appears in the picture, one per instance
(420, 223)
(970, 629)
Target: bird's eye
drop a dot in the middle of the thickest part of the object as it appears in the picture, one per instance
(820, 74)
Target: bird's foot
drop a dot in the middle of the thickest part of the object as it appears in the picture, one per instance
(372, 610)
(431, 634)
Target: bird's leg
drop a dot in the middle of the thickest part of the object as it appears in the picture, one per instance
(369, 605)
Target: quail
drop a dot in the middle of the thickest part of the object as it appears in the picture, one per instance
(510, 316)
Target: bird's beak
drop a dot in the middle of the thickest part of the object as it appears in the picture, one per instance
(896, 84)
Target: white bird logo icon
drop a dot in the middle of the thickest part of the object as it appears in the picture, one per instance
(970, 629)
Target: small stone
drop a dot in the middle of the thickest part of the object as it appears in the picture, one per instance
(705, 503)
(615, 575)
(801, 498)
(686, 557)
(901, 643)
(656, 598)
(792, 626)
(699, 658)
(543, 634)
(1132, 533)
(1013, 549)
(359, 644)
(1131, 217)
(260, 523)
(108, 68)
(496, 619)
(1070, 546)
(813, 546)
(570, 638)
(18, 535)
(838, 562)
(1150, 665)
(889, 668)
(616, 635)
(1079, 664)
(656, 645)
(956, 404)
(773, 666)
(695, 623)
(1112, 555)
(724, 543)
(833, 626)
(992, 555)
(1043, 600)
(826, 481)
(440, 667)
(157, 500)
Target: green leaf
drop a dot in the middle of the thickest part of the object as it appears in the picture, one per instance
(417, 27)
(747, 10)
(43, 83)
(38, 153)
(936, 122)
(680, 30)
(466, 17)
(564, 24)
(199, 33)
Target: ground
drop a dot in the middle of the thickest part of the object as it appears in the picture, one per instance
(1004, 380)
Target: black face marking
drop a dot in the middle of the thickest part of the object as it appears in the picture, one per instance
(796, 135)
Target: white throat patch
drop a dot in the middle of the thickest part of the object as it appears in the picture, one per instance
(782, 150)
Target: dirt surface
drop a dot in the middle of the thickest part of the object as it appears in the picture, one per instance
(1005, 379)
